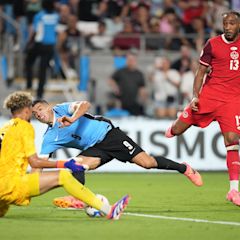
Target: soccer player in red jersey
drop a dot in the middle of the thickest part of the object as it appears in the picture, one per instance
(216, 95)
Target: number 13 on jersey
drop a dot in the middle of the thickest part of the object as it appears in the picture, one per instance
(234, 64)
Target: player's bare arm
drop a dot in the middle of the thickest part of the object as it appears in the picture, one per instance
(37, 163)
(79, 109)
(197, 85)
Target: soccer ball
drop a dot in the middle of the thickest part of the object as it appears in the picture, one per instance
(93, 212)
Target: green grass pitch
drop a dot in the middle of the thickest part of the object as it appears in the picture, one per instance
(159, 194)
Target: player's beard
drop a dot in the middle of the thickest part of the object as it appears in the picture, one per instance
(230, 36)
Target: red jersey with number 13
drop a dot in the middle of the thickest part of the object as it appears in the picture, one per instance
(223, 81)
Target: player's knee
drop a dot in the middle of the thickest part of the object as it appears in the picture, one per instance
(231, 140)
(149, 163)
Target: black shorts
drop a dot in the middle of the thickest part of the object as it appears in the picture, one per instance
(117, 145)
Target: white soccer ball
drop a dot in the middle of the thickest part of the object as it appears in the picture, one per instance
(93, 212)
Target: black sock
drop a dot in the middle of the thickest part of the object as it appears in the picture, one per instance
(80, 176)
(164, 163)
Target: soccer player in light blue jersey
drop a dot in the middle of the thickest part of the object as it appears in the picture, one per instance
(71, 126)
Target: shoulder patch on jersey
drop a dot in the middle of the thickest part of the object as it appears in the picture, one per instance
(185, 114)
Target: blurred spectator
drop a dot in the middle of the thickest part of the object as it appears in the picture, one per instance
(41, 44)
(140, 18)
(73, 5)
(14, 9)
(199, 29)
(126, 39)
(69, 47)
(182, 64)
(171, 26)
(116, 11)
(100, 40)
(187, 83)
(64, 13)
(115, 8)
(128, 84)
(91, 10)
(114, 25)
(166, 82)
(114, 108)
(154, 40)
(32, 8)
(192, 9)
(214, 15)
(156, 8)
(167, 22)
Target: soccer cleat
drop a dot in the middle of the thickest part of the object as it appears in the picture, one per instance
(168, 133)
(234, 197)
(193, 175)
(118, 208)
(68, 202)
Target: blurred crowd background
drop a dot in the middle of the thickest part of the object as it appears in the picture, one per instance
(126, 57)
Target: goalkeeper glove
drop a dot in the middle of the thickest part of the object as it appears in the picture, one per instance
(72, 165)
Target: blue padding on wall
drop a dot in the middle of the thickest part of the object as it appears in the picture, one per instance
(57, 64)
(84, 72)
(8, 9)
(119, 62)
(3, 68)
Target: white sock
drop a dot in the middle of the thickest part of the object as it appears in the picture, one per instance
(106, 208)
(234, 185)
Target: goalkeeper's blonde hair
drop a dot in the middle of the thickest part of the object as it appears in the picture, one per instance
(17, 101)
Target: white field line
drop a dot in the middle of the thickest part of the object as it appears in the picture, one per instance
(146, 216)
(183, 219)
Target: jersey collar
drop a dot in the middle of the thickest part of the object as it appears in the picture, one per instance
(226, 41)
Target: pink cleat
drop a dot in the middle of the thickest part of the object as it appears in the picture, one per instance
(193, 175)
(168, 133)
(68, 202)
(118, 208)
(234, 197)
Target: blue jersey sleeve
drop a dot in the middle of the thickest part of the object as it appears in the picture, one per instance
(64, 108)
(48, 147)
(36, 21)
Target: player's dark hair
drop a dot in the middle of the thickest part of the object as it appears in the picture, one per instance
(39, 101)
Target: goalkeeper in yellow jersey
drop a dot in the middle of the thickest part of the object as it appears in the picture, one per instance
(17, 150)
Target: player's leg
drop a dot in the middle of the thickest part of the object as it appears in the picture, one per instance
(72, 186)
(144, 160)
(50, 180)
(177, 128)
(88, 163)
(38, 183)
(229, 120)
(232, 146)
(123, 148)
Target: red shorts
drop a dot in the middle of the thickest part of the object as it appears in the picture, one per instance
(226, 114)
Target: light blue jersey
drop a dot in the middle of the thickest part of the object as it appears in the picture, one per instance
(44, 25)
(82, 134)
